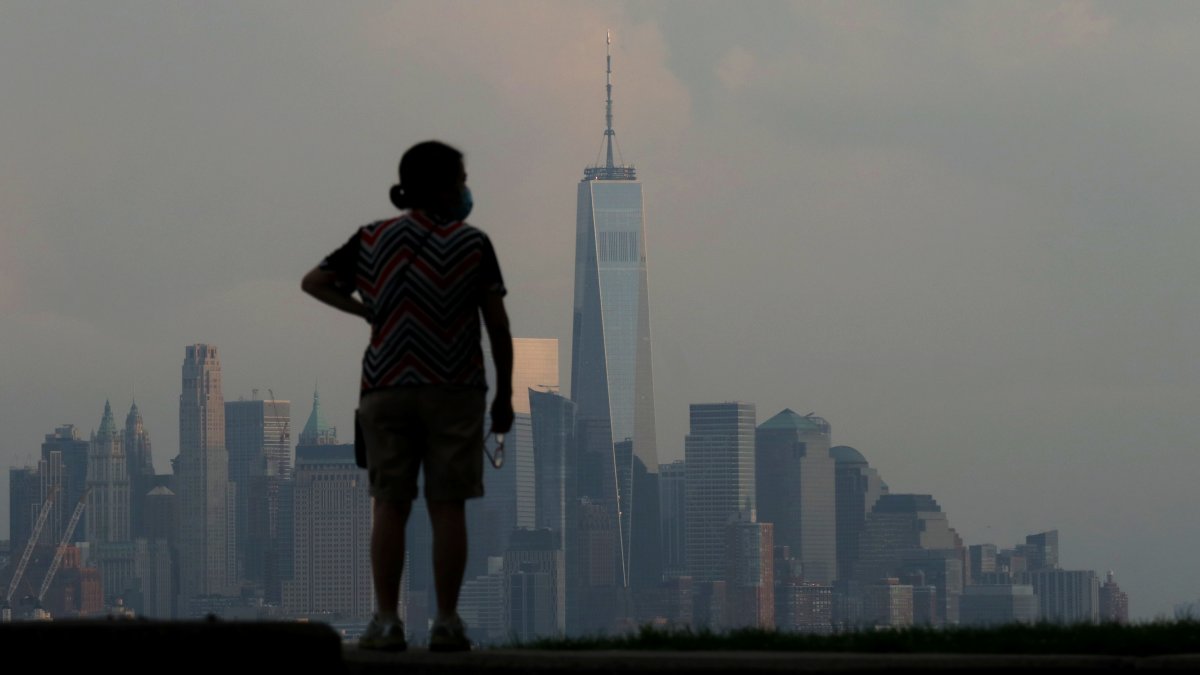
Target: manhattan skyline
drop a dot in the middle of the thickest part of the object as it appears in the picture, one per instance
(961, 234)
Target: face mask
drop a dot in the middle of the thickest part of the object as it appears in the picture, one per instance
(463, 208)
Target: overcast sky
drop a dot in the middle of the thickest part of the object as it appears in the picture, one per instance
(964, 233)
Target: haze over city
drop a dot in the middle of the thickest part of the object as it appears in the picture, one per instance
(961, 232)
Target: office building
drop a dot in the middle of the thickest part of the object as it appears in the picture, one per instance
(857, 488)
(1114, 603)
(750, 573)
(257, 435)
(887, 604)
(108, 506)
(535, 585)
(611, 376)
(552, 418)
(331, 574)
(64, 465)
(672, 484)
(1065, 596)
(139, 462)
(206, 540)
(719, 461)
(795, 490)
(997, 605)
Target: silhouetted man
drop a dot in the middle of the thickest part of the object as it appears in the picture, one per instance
(422, 279)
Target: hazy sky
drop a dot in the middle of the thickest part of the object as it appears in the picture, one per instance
(964, 233)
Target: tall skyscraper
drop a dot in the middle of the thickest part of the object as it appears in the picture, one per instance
(24, 502)
(159, 553)
(899, 528)
(750, 573)
(909, 536)
(554, 470)
(611, 379)
(510, 495)
(535, 603)
(1114, 603)
(316, 432)
(108, 506)
(208, 561)
(509, 500)
(140, 464)
(257, 434)
(535, 367)
(1065, 596)
(64, 465)
(795, 490)
(1041, 551)
(857, 488)
(719, 461)
(672, 485)
(108, 484)
(332, 509)
(981, 560)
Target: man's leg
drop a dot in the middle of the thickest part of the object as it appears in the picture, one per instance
(387, 553)
(449, 521)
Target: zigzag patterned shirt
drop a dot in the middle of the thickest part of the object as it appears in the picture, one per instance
(423, 282)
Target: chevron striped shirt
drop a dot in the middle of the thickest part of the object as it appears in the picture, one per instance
(423, 282)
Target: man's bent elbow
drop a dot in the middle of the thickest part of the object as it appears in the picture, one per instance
(312, 282)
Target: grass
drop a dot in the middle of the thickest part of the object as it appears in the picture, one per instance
(1149, 639)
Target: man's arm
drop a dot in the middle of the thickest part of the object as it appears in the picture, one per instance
(322, 285)
(495, 318)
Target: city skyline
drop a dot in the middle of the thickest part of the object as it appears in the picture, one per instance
(982, 268)
(907, 544)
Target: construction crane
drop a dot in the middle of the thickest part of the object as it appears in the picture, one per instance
(62, 545)
(47, 506)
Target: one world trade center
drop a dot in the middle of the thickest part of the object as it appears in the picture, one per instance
(611, 380)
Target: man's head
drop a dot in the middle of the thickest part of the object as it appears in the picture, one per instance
(432, 178)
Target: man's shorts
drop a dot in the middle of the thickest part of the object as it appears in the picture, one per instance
(439, 428)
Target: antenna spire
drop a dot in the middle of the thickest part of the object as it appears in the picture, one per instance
(608, 131)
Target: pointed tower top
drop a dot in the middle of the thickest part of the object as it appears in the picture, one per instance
(317, 431)
(107, 426)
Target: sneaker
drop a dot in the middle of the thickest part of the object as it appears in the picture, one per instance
(383, 635)
(449, 635)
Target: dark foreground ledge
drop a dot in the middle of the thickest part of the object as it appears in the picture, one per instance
(218, 647)
(635, 662)
(142, 646)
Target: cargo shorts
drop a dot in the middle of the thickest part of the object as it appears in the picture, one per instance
(436, 429)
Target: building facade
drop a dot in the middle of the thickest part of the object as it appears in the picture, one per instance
(672, 488)
(139, 461)
(997, 605)
(258, 436)
(795, 490)
(331, 507)
(750, 573)
(206, 540)
(719, 470)
(108, 505)
(1114, 603)
(1065, 596)
(611, 377)
(857, 488)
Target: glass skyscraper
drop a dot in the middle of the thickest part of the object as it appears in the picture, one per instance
(611, 381)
